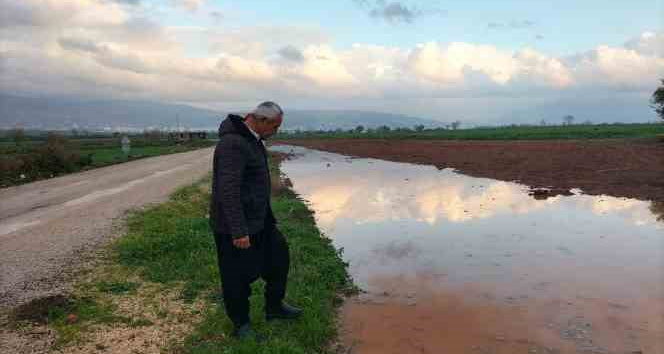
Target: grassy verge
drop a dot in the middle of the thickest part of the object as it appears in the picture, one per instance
(71, 316)
(168, 252)
(171, 248)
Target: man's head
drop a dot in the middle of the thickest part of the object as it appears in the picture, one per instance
(265, 119)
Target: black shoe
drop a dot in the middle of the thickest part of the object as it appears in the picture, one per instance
(284, 312)
(245, 332)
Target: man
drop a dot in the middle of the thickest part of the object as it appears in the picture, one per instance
(248, 242)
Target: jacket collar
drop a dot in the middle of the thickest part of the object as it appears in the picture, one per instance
(240, 127)
(258, 137)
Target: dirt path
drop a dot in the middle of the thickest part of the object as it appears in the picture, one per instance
(620, 168)
(46, 226)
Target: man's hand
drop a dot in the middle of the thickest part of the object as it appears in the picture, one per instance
(242, 242)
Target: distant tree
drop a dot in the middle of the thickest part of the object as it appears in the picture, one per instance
(384, 128)
(657, 100)
(359, 129)
(568, 119)
(419, 127)
(543, 122)
(152, 134)
(54, 138)
(17, 135)
(587, 122)
(455, 125)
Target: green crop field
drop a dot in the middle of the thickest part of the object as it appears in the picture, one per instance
(602, 131)
(38, 157)
(107, 156)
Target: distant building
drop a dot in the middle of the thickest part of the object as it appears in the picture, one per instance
(187, 136)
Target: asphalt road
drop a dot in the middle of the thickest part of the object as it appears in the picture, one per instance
(47, 228)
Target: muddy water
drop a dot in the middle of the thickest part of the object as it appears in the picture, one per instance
(454, 264)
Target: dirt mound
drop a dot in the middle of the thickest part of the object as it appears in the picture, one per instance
(37, 310)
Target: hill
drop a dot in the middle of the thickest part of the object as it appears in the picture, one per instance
(67, 113)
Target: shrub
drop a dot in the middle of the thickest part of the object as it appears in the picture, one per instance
(55, 157)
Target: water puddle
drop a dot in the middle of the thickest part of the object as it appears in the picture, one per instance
(451, 263)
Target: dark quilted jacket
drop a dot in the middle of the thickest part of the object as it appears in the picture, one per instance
(240, 203)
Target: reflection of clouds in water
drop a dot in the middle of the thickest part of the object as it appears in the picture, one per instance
(637, 211)
(371, 191)
(401, 221)
(331, 202)
(604, 204)
(457, 202)
(452, 197)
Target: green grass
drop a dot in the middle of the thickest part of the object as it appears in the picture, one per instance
(70, 317)
(172, 244)
(88, 311)
(108, 156)
(73, 315)
(117, 287)
(579, 131)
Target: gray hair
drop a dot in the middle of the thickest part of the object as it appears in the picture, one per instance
(267, 110)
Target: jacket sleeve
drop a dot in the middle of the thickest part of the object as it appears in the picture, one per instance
(232, 160)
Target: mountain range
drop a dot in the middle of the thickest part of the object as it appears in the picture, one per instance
(69, 113)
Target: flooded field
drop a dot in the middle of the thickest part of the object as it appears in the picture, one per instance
(454, 264)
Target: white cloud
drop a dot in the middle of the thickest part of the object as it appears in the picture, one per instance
(103, 47)
(461, 65)
(619, 68)
(537, 69)
(53, 13)
(260, 41)
(447, 65)
(648, 43)
(191, 5)
(323, 66)
(241, 69)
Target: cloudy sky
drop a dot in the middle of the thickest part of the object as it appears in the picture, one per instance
(476, 61)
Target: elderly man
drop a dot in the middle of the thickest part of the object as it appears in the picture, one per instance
(248, 242)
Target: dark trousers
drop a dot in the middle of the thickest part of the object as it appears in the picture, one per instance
(267, 258)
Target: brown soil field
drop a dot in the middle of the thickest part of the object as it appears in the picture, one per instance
(620, 168)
